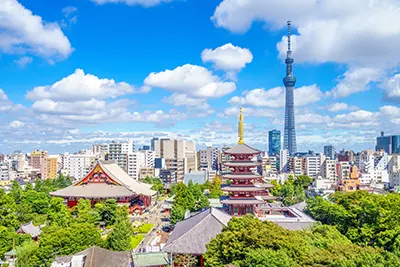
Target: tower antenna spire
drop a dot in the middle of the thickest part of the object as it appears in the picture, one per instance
(288, 29)
(240, 127)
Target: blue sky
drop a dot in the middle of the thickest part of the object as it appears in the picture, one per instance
(79, 72)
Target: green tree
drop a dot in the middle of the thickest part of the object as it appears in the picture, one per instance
(8, 216)
(107, 211)
(215, 188)
(28, 187)
(58, 213)
(120, 237)
(85, 213)
(177, 214)
(27, 255)
(268, 257)
(16, 191)
(8, 237)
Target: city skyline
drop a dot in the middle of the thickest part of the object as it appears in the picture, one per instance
(93, 73)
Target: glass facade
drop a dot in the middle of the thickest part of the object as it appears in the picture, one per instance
(390, 144)
(274, 142)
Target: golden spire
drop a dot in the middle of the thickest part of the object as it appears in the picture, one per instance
(240, 128)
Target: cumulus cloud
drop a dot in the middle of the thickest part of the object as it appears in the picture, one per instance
(340, 106)
(253, 112)
(17, 124)
(228, 57)
(195, 107)
(392, 88)
(145, 3)
(191, 80)
(275, 97)
(70, 16)
(355, 32)
(23, 32)
(3, 96)
(354, 81)
(23, 61)
(80, 86)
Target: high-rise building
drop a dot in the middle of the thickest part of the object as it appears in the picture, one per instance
(284, 160)
(180, 155)
(274, 142)
(313, 165)
(120, 151)
(79, 165)
(289, 142)
(208, 159)
(390, 143)
(52, 167)
(328, 170)
(4, 171)
(329, 151)
(152, 142)
(142, 159)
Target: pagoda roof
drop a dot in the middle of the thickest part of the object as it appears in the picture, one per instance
(242, 176)
(233, 201)
(242, 149)
(118, 184)
(246, 163)
(190, 236)
(94, 190)
(242, 188)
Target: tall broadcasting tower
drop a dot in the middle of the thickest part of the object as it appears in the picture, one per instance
(289, 141)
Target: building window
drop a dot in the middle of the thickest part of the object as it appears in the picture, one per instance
(248, 210)
(235, 210)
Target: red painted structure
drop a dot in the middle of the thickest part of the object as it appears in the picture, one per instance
(100, 184)
(247, 189)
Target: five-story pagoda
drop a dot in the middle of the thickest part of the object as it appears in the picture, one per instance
(247, 189)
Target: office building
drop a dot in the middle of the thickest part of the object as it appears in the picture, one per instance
(313, 165)
(208, 159)
(4, 171)
(289, 140)
(329, 151)
(284, 160)
(119, 152)
(328, 169)
(274, 142)
(152, 143)
(79, 165)
(138, 160)
(53, 165)
(390, 143)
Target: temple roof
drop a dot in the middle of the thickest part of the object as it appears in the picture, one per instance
(97, 257)
(29, 228)
(242, 163)
(190, 236)
(242, 188)
(242, 176)
(93, 190)
(125, 186)
(242, 149)
(233, 201)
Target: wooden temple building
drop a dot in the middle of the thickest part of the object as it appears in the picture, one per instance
(247, 190)
(106, 181)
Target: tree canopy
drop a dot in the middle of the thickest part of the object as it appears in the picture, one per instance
(292, 191)
(248, 241)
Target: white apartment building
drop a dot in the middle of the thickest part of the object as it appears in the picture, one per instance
(180, 155)
(269, 166)
(343, 170)
(119, 152)
(4, 171)
(209, 159)
(394, 170)
(374, 168)
(79, 165)
(142, 159)
(225, 158)
(100, 149)
(328, 170)
(284, 160)
(313, 166)
(297, 166)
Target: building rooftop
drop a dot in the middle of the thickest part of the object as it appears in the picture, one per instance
(242, 163)
(150, 259)
(242, 176)
(29, 228)
(95, 257)
(92, 190)
(190, 236)
(247, 201)
(242, 149)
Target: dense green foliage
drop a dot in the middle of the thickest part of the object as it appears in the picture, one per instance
(120, 237)
(248, 241)
(156, 182)
(64, 231)
(366, 219)
(189, 197)
(292, 191)
(144, 228)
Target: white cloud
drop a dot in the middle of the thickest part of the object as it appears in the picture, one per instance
(356, 32)
(312, 118)
(3, 96)
(78, 107)
(390, 111)
(145, 3)
(392, 88)
(23, 61)
(80, 87)
(275, 97)
(192, 80)
(253, 112)
(183, 100)
(70, 16)
(17, 124)
(228, 57)
(340, 106)
(355, 80)
(23, 32)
